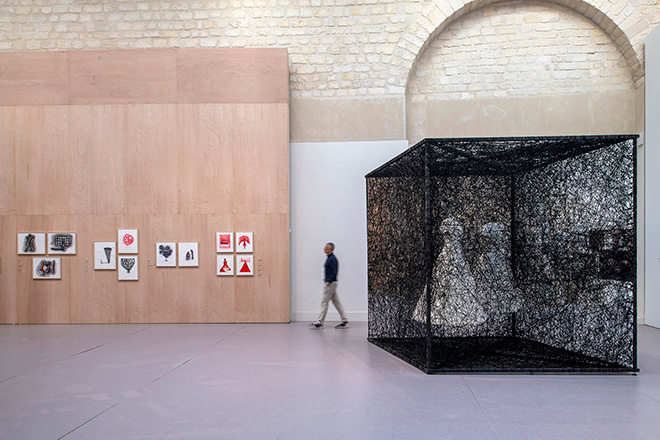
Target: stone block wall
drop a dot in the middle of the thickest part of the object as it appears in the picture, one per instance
(349, 58)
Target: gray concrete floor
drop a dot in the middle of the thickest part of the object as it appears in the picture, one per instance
(283, 381)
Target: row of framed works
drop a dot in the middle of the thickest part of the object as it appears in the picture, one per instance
(51, 267)
(121, 255)
(166, 254)
(105, 255)
(242, 265)
(224, 242)
(35, 243)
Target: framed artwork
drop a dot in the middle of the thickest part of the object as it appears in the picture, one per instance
(165, 254)
(188, 255)
(225, 265)
(224, 242)
(105, 255)
(244, 242)
(32, 243)
(245, 265)
(128, 268)
(128, 241)
(46, 268)
(62, 243)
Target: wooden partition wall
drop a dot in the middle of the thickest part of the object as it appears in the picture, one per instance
(176, 143)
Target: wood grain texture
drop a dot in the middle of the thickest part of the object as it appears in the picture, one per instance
(8, 262)
(175, 172)
(96, 157)
(178, 293)
(123, 76)
(34, 78)
(260, 158)
(150, 159)
(94, 296)
(233, 75)
(221, 290)
(49, 300)
(254, 301)
(7, 160)
(205, 178)
(42, 160)
(135, 293)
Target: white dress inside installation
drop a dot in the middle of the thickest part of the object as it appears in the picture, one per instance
(497, 289)
(454, 298)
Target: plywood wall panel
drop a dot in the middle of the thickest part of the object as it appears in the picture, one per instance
(190, 286)
(96, 158)
(162, 282)
(123, 77)
(150, 159)
(47, 300)
(256, 298)
(205, 177)
(94, 297)
(219, 300)
(8, 260)
(42, 160)
(135, 293)
(7, 160)
(34, 78)
(121, 156)
(233, 76)
(260, 160)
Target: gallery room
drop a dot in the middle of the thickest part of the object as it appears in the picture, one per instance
(373, 219)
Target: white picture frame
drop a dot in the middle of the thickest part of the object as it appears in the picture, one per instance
(31, 243)
(224, 242)
(46, 268)
(127, 241)
(244, 242)
(188, 255)
(244, 264)
(166, 254)
(127, 271)
(105, 255)
(224, 265)
(63, 243)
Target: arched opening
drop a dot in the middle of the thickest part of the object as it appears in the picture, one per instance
(516, 69)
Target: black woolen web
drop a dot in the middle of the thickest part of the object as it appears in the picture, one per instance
(506, 254)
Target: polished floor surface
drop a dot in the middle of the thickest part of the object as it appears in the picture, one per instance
(98, 382)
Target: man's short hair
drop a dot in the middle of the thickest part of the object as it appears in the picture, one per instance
(332, 245)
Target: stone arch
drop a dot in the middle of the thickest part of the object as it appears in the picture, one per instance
(520, 69)
(436, 17)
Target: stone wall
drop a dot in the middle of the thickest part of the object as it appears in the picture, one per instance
(533, 68)
(347, 58)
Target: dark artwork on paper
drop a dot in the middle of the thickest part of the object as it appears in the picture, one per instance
(165, 250)
(506, 254)
(29, 243)
(61, 242)
(46, 268)
(127, 263)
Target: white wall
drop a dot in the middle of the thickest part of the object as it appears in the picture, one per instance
(328, 203)
(652, 190)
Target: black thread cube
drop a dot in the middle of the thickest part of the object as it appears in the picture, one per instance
(506, 254)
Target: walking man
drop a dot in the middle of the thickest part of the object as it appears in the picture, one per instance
(331, 268)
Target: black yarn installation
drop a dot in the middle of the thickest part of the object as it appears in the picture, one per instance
(506, 254)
